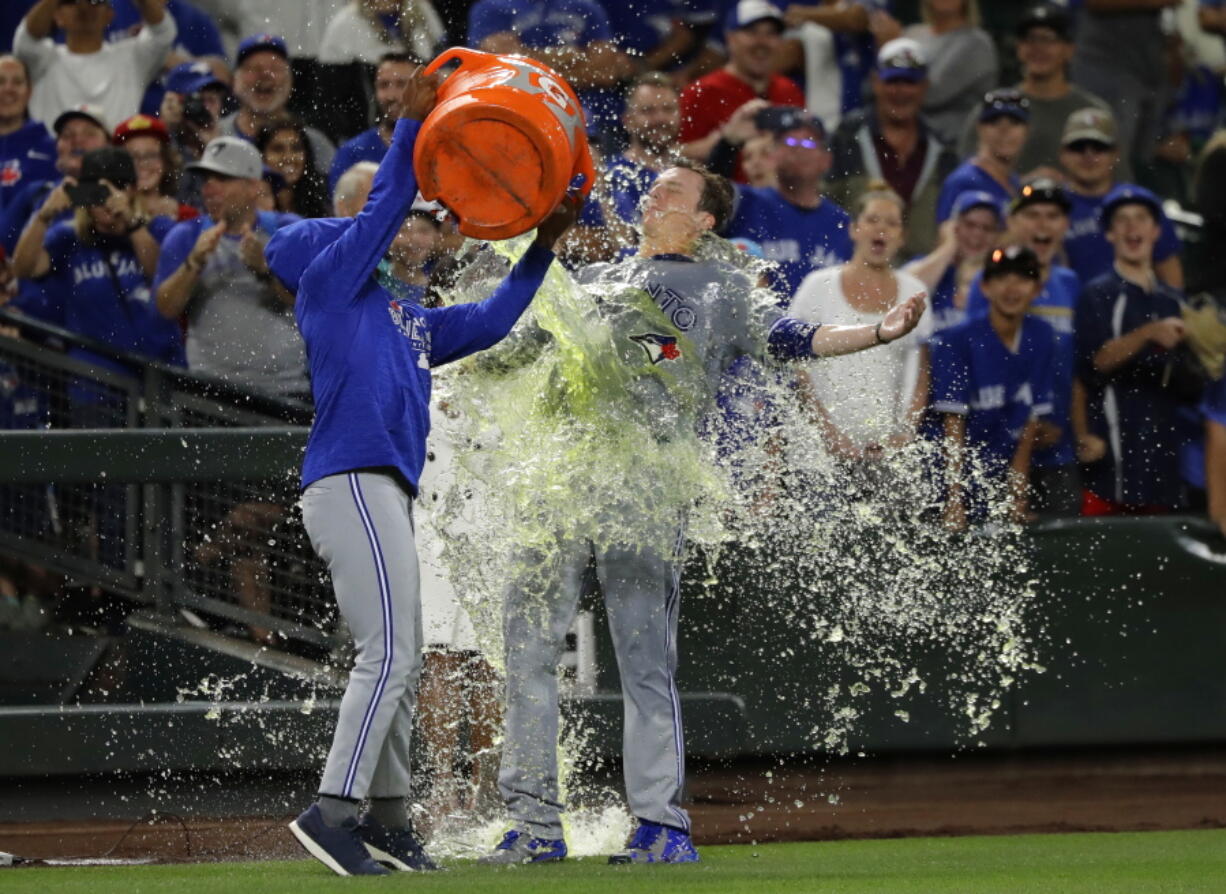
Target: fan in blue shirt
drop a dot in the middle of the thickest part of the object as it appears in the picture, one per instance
(794, 225)
(1003, 124)
(991, 377)
(1204, 459)
(1039, 219)
(97, 268)
(1127, 327)
(27, 149)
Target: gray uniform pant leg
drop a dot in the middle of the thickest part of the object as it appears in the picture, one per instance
(360, 524)
(642, 596)
(535, 622)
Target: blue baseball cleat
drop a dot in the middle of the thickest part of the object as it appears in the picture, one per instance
(339, 848)
(399, 848)
(656, 843)
(519, 846)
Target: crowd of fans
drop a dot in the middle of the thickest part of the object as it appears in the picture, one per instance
(149, 148)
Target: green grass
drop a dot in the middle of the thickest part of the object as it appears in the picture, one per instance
(1106, 863)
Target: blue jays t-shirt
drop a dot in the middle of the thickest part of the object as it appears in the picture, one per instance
(551, 23)
(998, 389)
(969, 177)
(27, 155)
(1088, 251)
(1212, 409)
(98, 289)
(625, 182)
(798, 240)
(366, 146)
(1056, 304)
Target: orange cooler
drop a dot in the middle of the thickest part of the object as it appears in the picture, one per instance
(505, 139)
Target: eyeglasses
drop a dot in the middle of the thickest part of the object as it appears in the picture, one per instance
(1083, 146)
(798, 143)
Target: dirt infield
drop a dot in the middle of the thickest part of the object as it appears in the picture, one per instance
(978, 794)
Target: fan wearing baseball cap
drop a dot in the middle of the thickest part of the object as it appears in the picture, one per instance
(147, 140)
(1004, 118)
(890, 140)
(948, 271)
(1128, 326)
(263, 82)
(992, 380)
(1089, 156)
(1044, 50)
(95, 268)
(87, 68)
(240, 324)
(722, 105)
(1038, 219)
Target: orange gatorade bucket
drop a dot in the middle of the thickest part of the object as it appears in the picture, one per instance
(502, 144)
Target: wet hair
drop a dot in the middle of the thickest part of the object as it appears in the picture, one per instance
(717, 193)
(879, 189)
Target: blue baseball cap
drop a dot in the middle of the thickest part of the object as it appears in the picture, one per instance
(258, 42)
(1005, 102)
(1129, 194)
(978, 198)
(192, 77)
(748, 12)
(902, 59)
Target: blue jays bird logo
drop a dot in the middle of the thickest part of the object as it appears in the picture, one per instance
(658, 347)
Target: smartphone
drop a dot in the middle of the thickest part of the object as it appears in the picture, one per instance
(85, 195)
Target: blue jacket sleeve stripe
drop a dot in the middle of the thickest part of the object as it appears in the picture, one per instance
(791, 339)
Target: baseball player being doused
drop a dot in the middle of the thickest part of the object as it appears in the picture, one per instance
(370, 356)
(671, 323)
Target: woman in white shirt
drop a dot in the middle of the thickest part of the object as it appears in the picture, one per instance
(869, 403)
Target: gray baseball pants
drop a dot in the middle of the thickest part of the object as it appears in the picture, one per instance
(642, 598)
(361, 525)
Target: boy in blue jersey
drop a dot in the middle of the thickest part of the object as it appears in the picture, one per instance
(1038, 219)
(794, 224)
(1004, 119)
(1089, 156)
(991, 377)
(370, 355)
(1127, 326)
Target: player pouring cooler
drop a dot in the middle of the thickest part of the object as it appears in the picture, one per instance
(676, 323)
(370, 355)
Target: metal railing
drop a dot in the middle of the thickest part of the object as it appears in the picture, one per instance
(157, 484)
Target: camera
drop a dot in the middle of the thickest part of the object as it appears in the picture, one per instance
(87, 194)
(196, 112)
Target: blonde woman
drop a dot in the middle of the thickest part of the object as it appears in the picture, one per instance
(869, 403)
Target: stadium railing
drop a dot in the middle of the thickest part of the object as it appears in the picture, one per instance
(160, 485)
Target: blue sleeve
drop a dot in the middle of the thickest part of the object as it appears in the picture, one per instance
(333, 275)
(20, 209)
(159, 228)
(976, 301)
(197, 32)
(59, 243)
(486, 18)
(592, 215)
(464, 329)
(176, 247)
(1168, 243)
(951, 379)
(791, 339)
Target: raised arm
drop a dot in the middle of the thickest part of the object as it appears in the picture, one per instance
(40, 21)
(336, 275)
(151, 11)
(464, 329)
